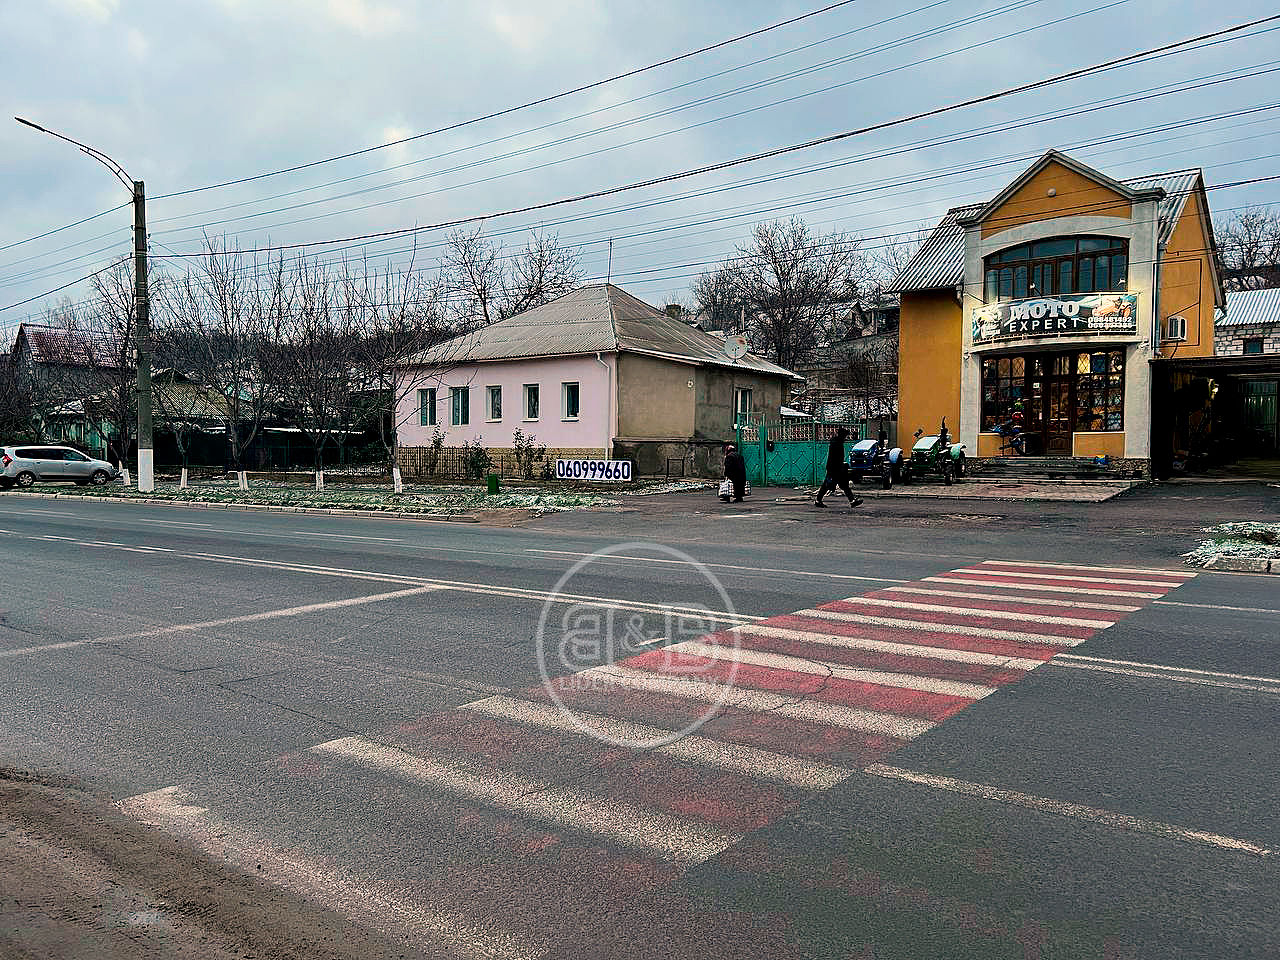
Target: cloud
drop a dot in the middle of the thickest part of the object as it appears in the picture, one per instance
(364, 16)
(399, 153)
(100, 10)
(136, 43)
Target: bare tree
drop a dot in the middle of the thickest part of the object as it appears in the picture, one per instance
(17, 412)
(397, 314)
(484, 284)
(225, 313)
(796, 289)
(108, 326)
(313, 359)
(1249, 246)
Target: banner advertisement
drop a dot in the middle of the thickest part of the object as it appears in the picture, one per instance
(1068, 315)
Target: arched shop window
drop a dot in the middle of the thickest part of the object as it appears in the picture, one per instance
(1086, 388)
(1059, 266)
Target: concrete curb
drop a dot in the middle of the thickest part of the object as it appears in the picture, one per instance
(1244, 564)
(271, 508)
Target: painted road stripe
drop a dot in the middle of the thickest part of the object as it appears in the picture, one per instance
(385, 910)
(663, 835)
(767, 571)
(884, 646)
(780, 661)
(993, 614)
(270, 614)
(1177, 575)
(750, 761)
(1155, 671)
(926, 590)
(905, 624)
(1075, 811)
(961, 578)
(1057, 577)
(757, 701)
(939, 636)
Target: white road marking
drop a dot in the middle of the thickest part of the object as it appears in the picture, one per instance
(1075, 811)
(175, 811)
(1217, 606)
(726, 566)
(883, 646)
(1023, 564)
(931, 590)
(759, 701)
(269, 615)
(44, 648)
(662, 834)
(1038, 587)
(1054, 576)
(346, 536)
(172, 523)
(951, 628)
(750, 761)
(1155, 671)
(983, 612)
(779, 661)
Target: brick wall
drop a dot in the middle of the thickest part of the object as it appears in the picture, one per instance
(1229, 341)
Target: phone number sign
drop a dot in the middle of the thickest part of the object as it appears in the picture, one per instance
(617, 471)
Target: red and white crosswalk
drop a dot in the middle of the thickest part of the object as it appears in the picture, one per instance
(814, 696)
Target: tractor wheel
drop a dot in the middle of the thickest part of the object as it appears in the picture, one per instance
(962, 469)
(886, 480)
(948, 475)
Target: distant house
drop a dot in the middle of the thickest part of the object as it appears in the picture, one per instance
(596, 373)
(1250, 326)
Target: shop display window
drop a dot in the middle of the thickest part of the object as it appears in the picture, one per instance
(1014, 388)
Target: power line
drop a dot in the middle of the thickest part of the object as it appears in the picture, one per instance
(793, 148)
(523, 106)
(64, 286)
(67, 226)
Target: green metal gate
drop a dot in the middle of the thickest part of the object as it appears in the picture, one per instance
(790, 452)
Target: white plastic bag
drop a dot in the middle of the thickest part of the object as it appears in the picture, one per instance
(726, 489)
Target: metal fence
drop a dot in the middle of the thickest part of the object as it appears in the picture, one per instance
(794, 452)
(461, 463)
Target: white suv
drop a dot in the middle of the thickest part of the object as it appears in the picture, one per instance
(23, 466)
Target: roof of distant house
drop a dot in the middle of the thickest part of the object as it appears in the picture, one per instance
(939, 262)
(596, 319)
(1251, 307)
(55, 344)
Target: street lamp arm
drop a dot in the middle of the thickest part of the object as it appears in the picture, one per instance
(98, 155)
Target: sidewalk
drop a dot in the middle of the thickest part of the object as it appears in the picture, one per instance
(1051, 491)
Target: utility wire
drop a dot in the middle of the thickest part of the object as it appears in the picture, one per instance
(796, 147)
(523, 106)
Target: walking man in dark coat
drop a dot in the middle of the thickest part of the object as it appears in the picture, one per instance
(837, 470)
(735, 470)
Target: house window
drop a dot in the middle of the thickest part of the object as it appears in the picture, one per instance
(1057, 267)
(427, 407)
(531, 401)
(742, 404)
(460, 401)
(569, 395)
(1252, 346)
(493, 403)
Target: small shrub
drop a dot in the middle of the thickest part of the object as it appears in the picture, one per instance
(476, 458)
(528, 453)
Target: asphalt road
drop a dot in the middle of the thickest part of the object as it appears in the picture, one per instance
(1007, 744)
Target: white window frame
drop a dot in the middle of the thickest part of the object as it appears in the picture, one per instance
(427, 405)
(564, 400)
(536, 390)
(489, 394)
(739, 414)
(459, 413)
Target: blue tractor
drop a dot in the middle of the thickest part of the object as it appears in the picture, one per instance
(877, 460)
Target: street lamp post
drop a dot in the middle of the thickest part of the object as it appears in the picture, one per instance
(142, 305)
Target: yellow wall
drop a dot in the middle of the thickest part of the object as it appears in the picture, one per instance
(1075, 196)
(989, 445)
(1099, 444)
(930, 354)
(1186, 282)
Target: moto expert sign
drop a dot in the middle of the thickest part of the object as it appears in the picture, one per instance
(1100, 314)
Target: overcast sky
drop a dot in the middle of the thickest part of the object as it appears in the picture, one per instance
(185, 94)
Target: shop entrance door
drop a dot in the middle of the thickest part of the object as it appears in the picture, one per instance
(1059, 408)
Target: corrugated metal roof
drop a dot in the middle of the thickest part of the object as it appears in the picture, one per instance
(596, 319)
(940, 260)
(1249, 307)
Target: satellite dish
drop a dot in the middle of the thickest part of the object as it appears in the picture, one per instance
(736, 347)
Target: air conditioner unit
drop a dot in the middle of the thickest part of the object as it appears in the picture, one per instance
(1175, 329)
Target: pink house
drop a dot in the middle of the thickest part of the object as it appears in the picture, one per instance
(596, 373)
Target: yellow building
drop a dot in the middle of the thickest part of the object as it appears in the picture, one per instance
(1053, 306)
